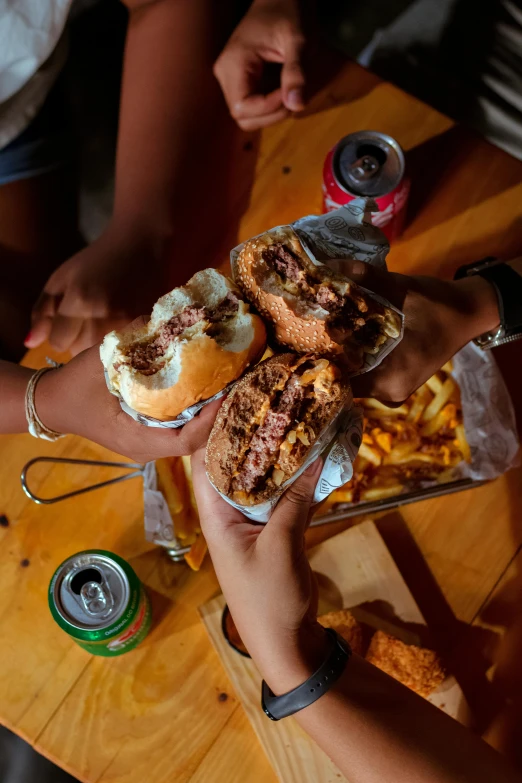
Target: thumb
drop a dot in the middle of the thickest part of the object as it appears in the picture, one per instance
(292, 75)
(292, 511)
(387, 284)
(361, 272)
(42, 316)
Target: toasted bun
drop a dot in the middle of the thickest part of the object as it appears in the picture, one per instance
(297, 323)
(244, 412)
(195, 365)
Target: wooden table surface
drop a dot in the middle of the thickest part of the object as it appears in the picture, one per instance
(166, 712)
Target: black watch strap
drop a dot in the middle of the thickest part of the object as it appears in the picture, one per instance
(508, 287)
(277, 707)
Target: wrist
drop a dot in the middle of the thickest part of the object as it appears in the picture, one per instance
(51, 404)
(480, 306)
(287, 663)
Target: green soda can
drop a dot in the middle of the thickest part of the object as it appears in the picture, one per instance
(98, 600)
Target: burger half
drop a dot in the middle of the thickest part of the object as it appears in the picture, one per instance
(311, 308)
(200, 338)
(269, 422)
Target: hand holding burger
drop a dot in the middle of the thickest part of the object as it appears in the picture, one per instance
(309, 307)
(269, 423)
(200, 337)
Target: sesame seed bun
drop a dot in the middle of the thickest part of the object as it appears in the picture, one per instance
(197, 363)
(300, 324)
(245, 411)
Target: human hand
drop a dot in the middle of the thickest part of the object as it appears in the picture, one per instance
(440, 318)
(266, 578)
(74, 399)
(270, 32)
(99, 289)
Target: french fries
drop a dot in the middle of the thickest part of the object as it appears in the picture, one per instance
(402, 448)
(384, 410)
(438, 421)
(175, 483)
(460, 436)
(370, 454)
(440, 399)
(197, 553)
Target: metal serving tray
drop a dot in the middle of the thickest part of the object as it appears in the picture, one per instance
(347, 510)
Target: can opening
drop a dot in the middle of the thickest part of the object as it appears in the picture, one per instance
(83, 577)
(372, 151)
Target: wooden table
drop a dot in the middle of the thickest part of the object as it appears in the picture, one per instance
(165, 712)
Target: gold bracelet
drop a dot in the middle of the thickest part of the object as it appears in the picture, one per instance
(35, 425)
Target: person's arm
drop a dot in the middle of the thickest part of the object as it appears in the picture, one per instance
(74, 399)
(372, 727)
(170, 105)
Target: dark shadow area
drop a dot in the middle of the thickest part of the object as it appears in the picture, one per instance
(380, 616)
(19, 763)
(333, 79)
(503, 609)
(330, 598)
(446, 70)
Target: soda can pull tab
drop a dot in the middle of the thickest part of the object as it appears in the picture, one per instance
(364, 168)
(96, 598)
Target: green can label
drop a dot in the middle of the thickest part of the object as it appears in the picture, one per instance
(97, 599)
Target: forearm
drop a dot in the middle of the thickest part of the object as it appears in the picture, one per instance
(483, 315)
(13, 384)
(377, 730)
(168, 103)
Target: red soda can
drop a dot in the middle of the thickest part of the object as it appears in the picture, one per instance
(371, 164)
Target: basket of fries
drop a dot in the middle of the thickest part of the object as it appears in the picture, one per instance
(455, 432)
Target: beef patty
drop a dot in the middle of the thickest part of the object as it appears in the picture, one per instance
(346, 313)
(143, 355)
(266, 441)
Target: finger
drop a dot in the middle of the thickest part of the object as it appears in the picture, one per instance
(255, 106)
(363, 274)
(41, 320)
(256, 123)
(87, 337)
(194, 435)
(141, 320)
(292, 511)
(382, 385)
(388, 284)
(292, 75)
(39, 333)
(237, 72)
(64, 332)
(214, 512)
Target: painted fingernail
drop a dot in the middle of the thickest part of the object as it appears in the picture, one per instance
(295, 100)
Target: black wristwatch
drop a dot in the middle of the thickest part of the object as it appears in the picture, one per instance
(508, 287)
(277, 707)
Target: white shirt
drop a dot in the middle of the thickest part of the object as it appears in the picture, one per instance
(33, 50)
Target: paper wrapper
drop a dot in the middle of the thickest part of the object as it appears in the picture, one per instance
(183, 418)
(346, 233)
(159, 527)
(339, 444)
(489, 418)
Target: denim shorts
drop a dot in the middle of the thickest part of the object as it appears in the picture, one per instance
(45, 145)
